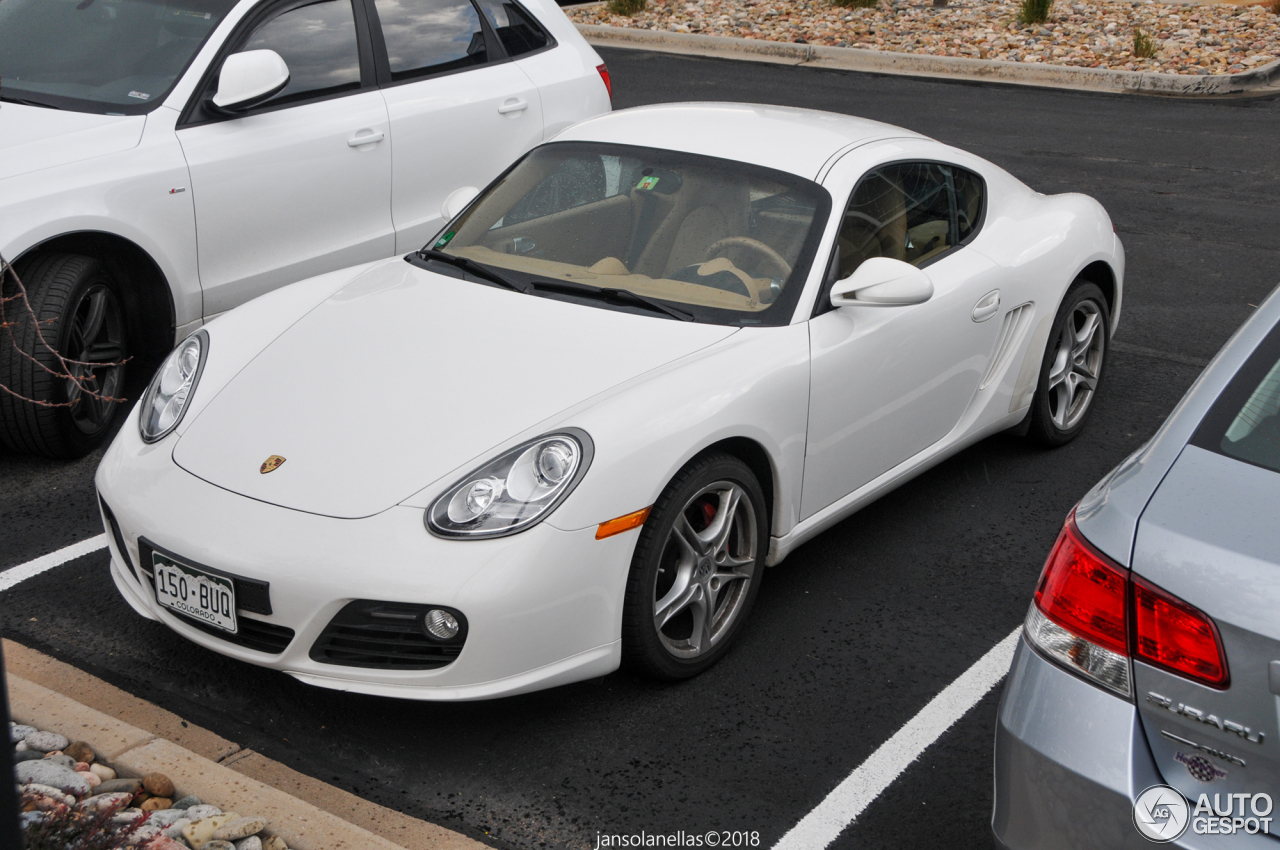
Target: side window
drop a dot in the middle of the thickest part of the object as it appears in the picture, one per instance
(575, 181)
(318, 43)
(912, 212)
(516, 28)
(430, 36)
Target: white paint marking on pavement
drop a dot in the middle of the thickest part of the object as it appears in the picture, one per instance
(22, 572)
(843, 805)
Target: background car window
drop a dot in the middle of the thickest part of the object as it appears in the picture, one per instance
(318, 43)
(118, 53)
(1244, 423)
(430, 36)
(516, 28)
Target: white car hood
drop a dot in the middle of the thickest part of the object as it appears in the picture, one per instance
(33, 137)
(402, 377)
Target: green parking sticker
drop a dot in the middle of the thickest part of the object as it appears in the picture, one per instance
(647, 183)
(443, 240)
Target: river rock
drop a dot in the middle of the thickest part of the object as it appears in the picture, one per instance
(64, 760)
(47, 773)
(111, 786)
(157, 804)
(92, 778)
(275, 842)
(21, 747)
(240, 828)
(103, 772)
(253, 842)
(45, 741)
(218, 844)
(166, 817)
(26, 755)
(105, 801)
(199, 832)
(187, 802)
(18, 731)
(199, 811)
(165, 842)
(80, 751)
(158, 784)
(38, 788)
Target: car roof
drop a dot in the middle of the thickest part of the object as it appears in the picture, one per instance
(800, 141)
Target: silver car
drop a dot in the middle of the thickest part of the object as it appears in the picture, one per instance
(1142, 701)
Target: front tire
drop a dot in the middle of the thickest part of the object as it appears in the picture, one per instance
(1072, 369)
(696, 569)
(79, 311)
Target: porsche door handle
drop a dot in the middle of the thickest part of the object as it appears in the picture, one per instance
(987, 306)
(366, 139)
(513, 104)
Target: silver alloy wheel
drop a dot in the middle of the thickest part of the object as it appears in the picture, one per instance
(708, 564)
(1077, 365)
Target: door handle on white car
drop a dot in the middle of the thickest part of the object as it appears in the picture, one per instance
(366, 139)
(512, 104)
(987, 306)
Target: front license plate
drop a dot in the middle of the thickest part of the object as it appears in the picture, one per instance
(208, 598)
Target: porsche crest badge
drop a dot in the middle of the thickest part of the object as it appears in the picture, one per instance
(271, 464)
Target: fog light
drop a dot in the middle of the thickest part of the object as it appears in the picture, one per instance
(441, 624)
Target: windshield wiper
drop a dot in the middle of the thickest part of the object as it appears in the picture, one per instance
(8, 98)
(610, 294)
(472, 267)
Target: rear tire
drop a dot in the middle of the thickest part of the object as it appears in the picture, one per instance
(1071, 371)
(80, 312)
(696, 569)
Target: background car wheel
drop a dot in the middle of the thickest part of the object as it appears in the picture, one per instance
(1071, 371)
(696, 569)
(79, 310)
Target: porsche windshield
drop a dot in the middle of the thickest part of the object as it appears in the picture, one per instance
(100, 55)
(720, 241)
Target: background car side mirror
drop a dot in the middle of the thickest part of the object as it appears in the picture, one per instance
(882, 282)
(249, 78)
(457, 201)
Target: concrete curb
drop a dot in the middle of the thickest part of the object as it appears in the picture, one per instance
(209, 766)
(1264, 80)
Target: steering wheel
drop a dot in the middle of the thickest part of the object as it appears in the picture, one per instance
(771, 257)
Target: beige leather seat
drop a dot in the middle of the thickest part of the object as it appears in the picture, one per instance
(877, 226)
(702, 212)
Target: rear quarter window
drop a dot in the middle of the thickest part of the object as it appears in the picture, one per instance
(1244, 422)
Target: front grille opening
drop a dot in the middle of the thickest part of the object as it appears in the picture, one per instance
(118, 537)
(386, 636)
(252, 634)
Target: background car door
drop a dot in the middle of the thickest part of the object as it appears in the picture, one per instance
(888, 382)
(460, 111)
(289, 189)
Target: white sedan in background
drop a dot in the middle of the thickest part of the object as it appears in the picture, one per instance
(648, 361)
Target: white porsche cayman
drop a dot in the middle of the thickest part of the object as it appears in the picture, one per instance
(648, 361)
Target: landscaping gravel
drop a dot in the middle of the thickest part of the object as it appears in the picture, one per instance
(1189, 39)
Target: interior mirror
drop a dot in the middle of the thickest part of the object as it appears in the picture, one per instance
(457, 202)
(882, 282)
(249, 78)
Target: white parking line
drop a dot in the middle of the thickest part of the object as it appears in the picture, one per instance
(22, 572)
(843, 805)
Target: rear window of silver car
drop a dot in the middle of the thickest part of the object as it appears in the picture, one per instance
(1244, 423)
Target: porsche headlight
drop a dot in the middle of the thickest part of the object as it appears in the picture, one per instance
(515, 490)
(166, 399)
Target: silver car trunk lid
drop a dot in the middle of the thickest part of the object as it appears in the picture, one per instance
(1209, 537)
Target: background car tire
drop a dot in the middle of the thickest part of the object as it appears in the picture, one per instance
(1073, 366)
(697, 498)
(80, 312)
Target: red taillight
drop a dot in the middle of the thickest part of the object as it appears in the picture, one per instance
(1082, 591)
(1086, 617)
(1171, 634)
(608, 84)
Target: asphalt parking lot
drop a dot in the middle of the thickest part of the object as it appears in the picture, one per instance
(857, 630)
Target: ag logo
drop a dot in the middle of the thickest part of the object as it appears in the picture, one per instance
(1161, 814)
(271, 464)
